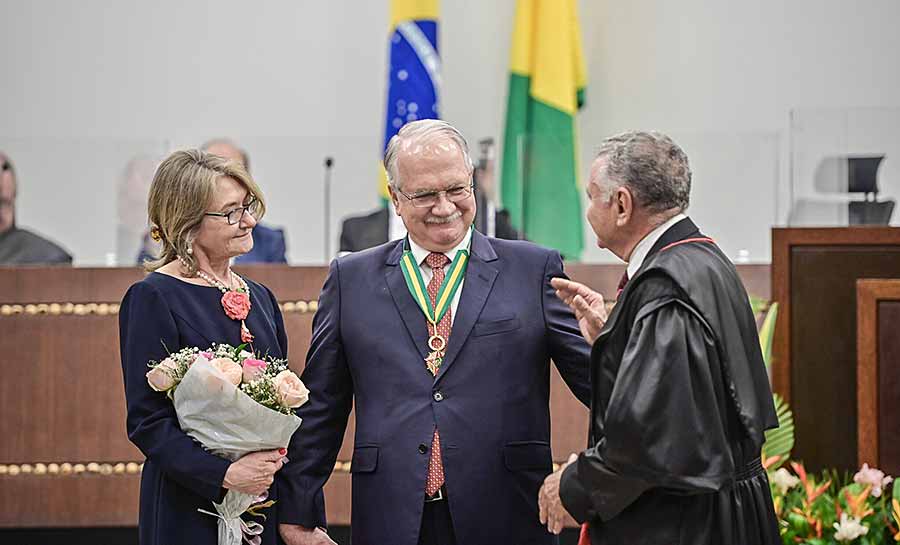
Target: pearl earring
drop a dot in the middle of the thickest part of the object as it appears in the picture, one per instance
(190, 250)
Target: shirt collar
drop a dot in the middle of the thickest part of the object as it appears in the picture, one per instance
(421, 253)
(639, 254)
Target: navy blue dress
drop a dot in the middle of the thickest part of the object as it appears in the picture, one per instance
(179, 476)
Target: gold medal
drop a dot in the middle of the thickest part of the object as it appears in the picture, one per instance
(433, 362)
(436, 343)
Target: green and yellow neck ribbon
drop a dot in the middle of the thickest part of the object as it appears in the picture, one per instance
(445, 294)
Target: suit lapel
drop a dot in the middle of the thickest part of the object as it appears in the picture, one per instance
(480, 277)
(406, 305)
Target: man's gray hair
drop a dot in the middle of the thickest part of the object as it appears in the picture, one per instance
(651, 165)
(422, 132)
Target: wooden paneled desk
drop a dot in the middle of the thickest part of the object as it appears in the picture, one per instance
(65, 460)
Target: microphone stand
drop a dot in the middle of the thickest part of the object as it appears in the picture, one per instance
(329, 163)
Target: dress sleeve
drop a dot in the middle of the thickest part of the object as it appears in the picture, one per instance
(569, 350)
(666, 421)
(314, 447)
(147, 331)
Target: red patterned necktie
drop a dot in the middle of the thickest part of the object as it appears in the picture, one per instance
(622, 282)
(437, 262)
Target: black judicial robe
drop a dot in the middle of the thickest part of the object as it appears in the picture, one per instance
(680, 403)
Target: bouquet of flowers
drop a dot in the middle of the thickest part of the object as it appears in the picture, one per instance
(232, 402)
(829, 509)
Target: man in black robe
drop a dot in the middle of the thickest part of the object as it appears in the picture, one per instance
(680, 396)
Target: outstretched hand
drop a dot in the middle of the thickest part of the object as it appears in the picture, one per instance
(586, 303)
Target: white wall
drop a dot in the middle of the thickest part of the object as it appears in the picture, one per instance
(89, 84)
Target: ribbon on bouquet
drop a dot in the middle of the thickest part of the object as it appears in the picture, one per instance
(234, 529)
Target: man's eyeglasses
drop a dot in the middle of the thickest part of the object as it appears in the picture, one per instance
(237, 214)
(429, 199)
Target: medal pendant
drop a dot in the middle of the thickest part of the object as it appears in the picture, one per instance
(433, 362)
(437, 343)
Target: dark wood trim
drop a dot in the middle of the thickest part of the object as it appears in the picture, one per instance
(783, 242)
(869, 292)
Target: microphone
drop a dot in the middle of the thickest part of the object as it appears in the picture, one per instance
(329, 164)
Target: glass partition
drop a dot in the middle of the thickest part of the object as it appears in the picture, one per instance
(844, 167)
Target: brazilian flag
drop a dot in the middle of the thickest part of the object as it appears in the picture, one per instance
(414, 69)
(539, 184)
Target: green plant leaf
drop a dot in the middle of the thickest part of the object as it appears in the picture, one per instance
(758, 304)
(780, 441)
(767, 332)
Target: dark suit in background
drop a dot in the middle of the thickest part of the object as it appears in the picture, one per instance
(268, 246)
(362, 232)
(22, 247)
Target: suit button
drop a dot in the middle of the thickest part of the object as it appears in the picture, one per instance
(438, 396)
(423, 449)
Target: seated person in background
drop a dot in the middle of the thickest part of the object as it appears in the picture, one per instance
(268, 242)
(380, 226)
(20, 246)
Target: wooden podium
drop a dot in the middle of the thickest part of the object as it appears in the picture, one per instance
(814, 275)
(65, 459)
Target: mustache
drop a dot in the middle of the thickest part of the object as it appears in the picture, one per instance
(441, 220)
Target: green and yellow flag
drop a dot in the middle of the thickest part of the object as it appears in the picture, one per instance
(539, 184)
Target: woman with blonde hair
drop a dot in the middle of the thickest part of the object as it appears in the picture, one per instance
(202, 209)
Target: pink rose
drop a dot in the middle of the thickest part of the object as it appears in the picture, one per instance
(253, 368)
(236, 305)
(162, 376)
(874, 477)
(201, 357)
(290, 389)
(229, 368)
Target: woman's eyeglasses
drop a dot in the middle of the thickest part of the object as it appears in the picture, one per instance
(235, 215)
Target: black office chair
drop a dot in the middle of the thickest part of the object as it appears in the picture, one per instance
(862, 177)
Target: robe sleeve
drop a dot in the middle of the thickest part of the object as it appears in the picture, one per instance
(146, 330)
(666, 421)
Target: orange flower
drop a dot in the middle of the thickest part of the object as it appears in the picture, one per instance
(769, 462)
(808, 484)
(857, 504)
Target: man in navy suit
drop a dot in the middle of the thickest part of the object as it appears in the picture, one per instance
(452, 411)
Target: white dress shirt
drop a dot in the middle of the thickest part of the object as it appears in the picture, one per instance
(639, 254)
(421, 254)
